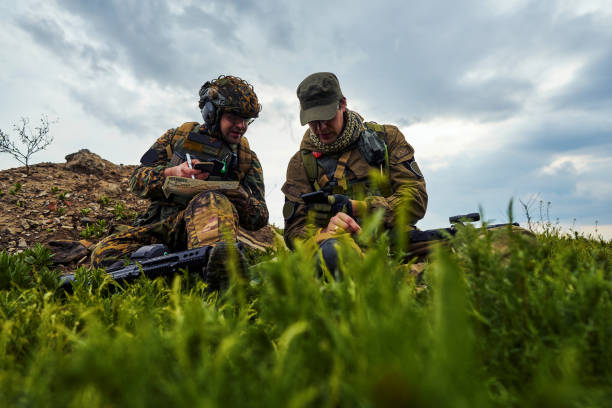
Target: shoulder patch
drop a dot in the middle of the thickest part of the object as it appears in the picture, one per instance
(288, 210)
(413, 167)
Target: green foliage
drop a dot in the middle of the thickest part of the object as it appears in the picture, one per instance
(55, 189)
(504, 319)
(61, 210)
(15, 189)
(85, 211)
(104, 200)
(95, 230)
(121, 212)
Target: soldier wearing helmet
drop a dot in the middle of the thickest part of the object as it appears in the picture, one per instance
(228, 105)
(338, 155)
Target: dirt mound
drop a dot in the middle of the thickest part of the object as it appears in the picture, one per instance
(85, 199)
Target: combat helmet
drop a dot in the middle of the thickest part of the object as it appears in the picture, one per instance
(227, 94)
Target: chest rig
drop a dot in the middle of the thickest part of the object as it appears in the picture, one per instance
(199, 145)
(327, 172)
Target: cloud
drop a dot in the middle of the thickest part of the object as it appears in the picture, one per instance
(503, 99)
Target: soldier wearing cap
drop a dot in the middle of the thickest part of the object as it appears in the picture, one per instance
(337, 155)
(228, 105)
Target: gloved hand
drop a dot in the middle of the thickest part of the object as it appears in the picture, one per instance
(324, 211)
(340, 203)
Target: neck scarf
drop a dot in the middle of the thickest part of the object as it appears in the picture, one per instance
(349, 135)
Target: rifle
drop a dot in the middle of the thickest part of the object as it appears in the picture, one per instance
(153, 261)
(443, 233)
(419, 240)
(338, 202)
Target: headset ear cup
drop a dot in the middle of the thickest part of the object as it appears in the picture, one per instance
(208, 114)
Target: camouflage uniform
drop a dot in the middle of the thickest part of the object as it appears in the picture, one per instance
(406, 187)
(207, 218)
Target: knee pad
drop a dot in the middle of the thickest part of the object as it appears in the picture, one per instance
(330, 255)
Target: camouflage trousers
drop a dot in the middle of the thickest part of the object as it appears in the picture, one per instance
(208, 219)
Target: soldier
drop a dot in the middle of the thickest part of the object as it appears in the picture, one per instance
(228, 105)
(337, 154)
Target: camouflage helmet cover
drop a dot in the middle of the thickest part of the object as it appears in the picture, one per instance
(231, 94)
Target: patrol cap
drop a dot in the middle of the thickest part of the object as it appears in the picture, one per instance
(319, 94)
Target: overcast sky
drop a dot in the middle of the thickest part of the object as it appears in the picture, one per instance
(500, 99)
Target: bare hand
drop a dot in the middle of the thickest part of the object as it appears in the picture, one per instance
(342, 222)
(183, 170)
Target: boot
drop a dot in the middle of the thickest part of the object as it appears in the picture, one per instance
(217, 273)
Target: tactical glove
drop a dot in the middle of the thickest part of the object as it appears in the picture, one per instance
(340, 203)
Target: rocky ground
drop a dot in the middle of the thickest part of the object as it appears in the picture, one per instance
(68, 206)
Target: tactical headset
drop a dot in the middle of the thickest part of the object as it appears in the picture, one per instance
(212, 100)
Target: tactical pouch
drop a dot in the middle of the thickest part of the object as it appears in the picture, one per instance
(372, 148)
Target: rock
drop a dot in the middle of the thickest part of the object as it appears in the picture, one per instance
(10, 231)
(66, 251)
(87, 220)
(86, 162)
(12, 244)
(25, 225)
(110, 188)
(67, 227)
(22, 243)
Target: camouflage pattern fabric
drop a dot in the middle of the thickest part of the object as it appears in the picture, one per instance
(239, 95)
(201, 221)
(170, 231)
(408, 192)
(208, 219)
(147, 181)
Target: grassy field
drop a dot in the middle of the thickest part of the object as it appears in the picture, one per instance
(527, 322)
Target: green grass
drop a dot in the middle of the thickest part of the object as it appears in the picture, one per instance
(498, 320)
(95, 230)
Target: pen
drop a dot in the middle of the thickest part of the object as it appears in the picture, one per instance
(189, 163)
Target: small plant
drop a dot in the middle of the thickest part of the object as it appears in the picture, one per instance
(15, 189)
(31, 142)
(55, 189)
(104, 200)
(120, 212)
(19, 203)
(85, 211)
(61, 211)
(95, 230)
(62, 196)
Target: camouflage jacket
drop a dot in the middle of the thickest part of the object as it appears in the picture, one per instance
(407, 185)
(147, 180)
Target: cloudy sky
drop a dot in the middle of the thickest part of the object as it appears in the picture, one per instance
(500, 99)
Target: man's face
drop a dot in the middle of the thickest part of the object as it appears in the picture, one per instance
(329, 130)
(233, 127)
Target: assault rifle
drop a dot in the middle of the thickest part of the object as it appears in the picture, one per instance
(443, 233)
(420, 241)
(153, 261)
